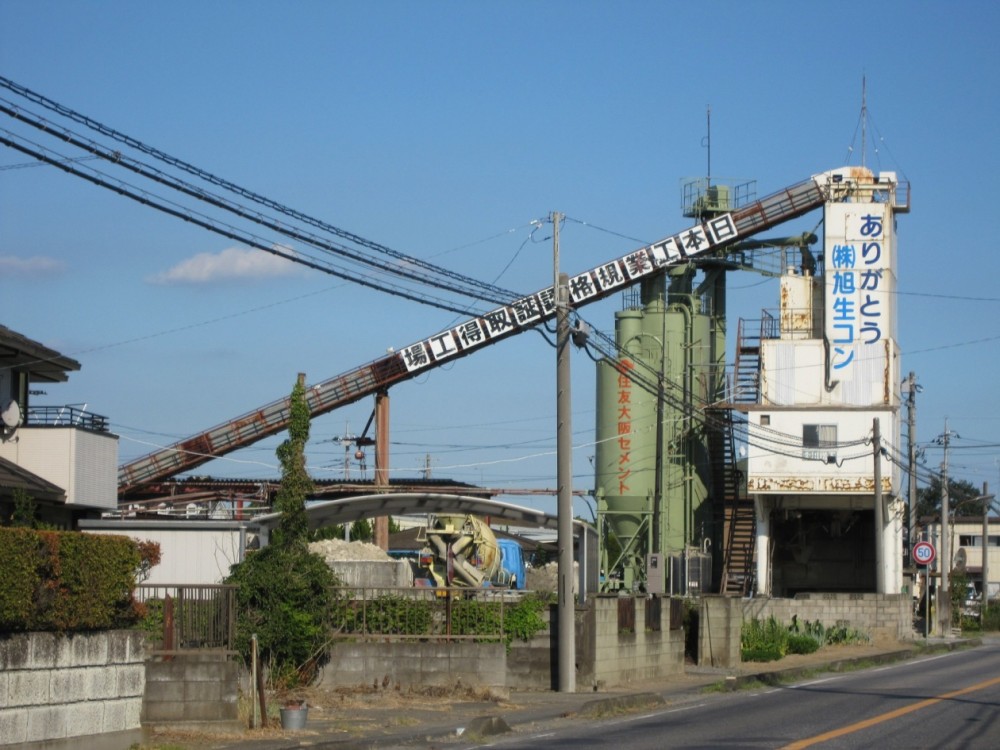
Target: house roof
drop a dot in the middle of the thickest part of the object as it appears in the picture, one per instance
(42, 364)
(13, 477)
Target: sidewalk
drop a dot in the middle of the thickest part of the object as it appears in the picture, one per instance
(390, 718)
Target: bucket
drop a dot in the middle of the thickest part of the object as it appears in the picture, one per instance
(294, 718)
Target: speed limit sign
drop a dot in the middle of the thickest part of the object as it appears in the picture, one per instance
(923, 553)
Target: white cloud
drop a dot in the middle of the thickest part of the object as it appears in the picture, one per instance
(231, 264)
(36, 267)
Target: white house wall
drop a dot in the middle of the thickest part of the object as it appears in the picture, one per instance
(83, 463)
(188, 554)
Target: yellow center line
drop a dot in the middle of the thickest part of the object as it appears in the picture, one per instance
(858, 726)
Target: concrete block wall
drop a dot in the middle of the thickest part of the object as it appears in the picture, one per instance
(415, 663)
(198, 690)
(534, 664)
(58, 686)
(610, 658)
(605, 657)
(719, 621)
(881, 616)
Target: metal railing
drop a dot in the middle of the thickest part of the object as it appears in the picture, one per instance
(186, 618)
(183, 619)
(65, 416)
(421, 613)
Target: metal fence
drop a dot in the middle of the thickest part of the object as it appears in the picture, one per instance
(421, 613)
(185, 618)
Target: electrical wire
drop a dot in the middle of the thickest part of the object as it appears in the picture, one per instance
(117, 136)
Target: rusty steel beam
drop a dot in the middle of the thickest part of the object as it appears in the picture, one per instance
(702, 240)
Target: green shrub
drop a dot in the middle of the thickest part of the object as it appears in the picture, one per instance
(768, 640)
(991, 623)
(762, 653)
(69, 581)
(284, 596)
(763, 637)
(524, 619)
(391, 613)
(844, 636)
(800, 643)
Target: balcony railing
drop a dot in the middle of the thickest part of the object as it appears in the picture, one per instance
(65, 416)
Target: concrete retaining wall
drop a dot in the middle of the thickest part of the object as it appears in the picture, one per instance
(192, 691)
(610, 655)
(413, 663)
(55, 686)
(605, 656)
(375, 574)
(719, 622)
(880, 616)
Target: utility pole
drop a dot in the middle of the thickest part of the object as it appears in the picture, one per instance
(566, 607)
(944, 594)
(380, 528)
(911, 388)
(879, 513)
(987, 501)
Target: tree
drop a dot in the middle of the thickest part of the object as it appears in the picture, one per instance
(290, 501)
(284, 591)
(960, 493)
(25, 511)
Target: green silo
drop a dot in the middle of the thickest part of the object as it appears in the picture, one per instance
(651, 482)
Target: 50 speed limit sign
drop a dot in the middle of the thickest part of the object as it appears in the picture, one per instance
(924, 553)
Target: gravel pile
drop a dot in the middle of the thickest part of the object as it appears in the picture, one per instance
(546, 578)
(337, 550)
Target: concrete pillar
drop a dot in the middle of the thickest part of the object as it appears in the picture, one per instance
(762, 509)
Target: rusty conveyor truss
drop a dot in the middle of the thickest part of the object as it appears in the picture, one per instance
(704, 239)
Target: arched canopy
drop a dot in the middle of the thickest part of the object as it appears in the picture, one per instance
(348, 510)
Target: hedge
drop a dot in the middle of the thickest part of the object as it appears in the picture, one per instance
(70, 581)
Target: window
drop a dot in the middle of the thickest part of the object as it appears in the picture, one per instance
(976, 540)
(819, 442)
(819, 436)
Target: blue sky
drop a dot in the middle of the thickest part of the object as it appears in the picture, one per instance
(443, 130)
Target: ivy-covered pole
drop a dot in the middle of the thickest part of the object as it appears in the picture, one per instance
(290, 501)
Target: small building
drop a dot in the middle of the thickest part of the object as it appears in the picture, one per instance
(826, 374)
(63, 457)
(967, 547)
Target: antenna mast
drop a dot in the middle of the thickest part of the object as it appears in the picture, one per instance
(708, 141)
(864, 117)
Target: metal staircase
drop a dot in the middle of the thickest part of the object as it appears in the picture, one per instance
(746, 370)
(735, 511)
(734, 514)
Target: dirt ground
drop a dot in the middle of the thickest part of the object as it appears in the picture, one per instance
(384, 706)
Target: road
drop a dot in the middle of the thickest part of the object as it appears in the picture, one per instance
(950, 700)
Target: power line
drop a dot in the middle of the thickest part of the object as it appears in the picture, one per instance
(92, 124)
